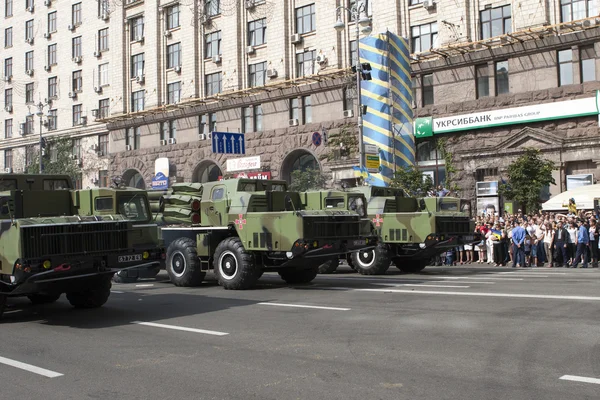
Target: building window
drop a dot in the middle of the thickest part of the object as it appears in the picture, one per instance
(174, 55)
(77, 47)
(295, 108)
(258, 118)
(305, 63)
(431, 161)
(565, 67)
(572, 10)
(137, 65)
(77, 81)
(8, 158)
(29, 93)
(349, 96)
(103, 40)
(306, 19)
(29, 155)
(212, 7)
(213, 44)
(76, 149)
(307, 109)
(212, 83)
(8, 97)
(168, 130)
(103, 74)
(212, 122)
(132, 137)
(174, 93)
(103, 108)
(29, 29)
(173, 17)
(427, 89)
(77, 114)
(52, 22)
(137, 101)
(587, 55)
(103, 178)
(482, 80)
(76, 14)
(257, 32)
(52, 55)
(102, 145)
(52, 87)
(28, 125)
(103, 7)
(495, 21)
(29, 3)
(424, 37)
(502, 86)
(8, 37)
(247, 119)
(29, 60)
(137, 28)
(353, 53)
(257, 74)
(8, 8)
(8, 67)
(8, 128)
(52, 120)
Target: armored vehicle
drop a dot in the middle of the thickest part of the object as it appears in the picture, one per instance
(50, 244)
(241, 228)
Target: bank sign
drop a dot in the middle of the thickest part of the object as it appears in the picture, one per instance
(429, 126)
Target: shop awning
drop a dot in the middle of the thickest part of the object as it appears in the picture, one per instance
(583, 195)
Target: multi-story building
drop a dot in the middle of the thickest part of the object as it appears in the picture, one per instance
(170, 73)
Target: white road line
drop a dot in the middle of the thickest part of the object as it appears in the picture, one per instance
(31, 368)
(527, 275)
(470, 282)
(575, 378)
(479, 277)
(180, 328)
(418, 285)
(482, 294)
(145, 285)
(305, 306)
(116, 291)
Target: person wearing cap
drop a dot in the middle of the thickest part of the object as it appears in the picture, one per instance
(583, 239)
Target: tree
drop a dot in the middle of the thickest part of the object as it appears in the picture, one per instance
(527, 176)
(56, 159)
(412, 181)
(307, 179)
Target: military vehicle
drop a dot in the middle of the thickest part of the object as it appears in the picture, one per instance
(241, 228)
(52, 244)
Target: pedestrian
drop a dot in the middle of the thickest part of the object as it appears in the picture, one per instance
(593, 233)
(561, 241)
(572, 243)
(469, 253)
(537, 246)
(583, 241)
(498, 246)
(548, 239)
(518, 240)
(489, 243)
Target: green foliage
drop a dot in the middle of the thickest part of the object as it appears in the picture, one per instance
(343, 143)
(56, 159)
(308, 179)
(412, 181)
(449, 163)
(528, 175)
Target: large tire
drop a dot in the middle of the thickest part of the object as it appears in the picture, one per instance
(93, 297)
(329, 266)
(120, 277)
(299, 276)
(234, 267)
(372, 262)
(410, 266)
(183, 265)
(43, 298)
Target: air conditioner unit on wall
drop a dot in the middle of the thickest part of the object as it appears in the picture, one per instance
(348, 113)
(77, 59)
(294, 122)
(47, 3)
(29, 40)
(97, 54)
(250, 4)
(272, 73)
(202, 136)
(98, 89)
(168, 34)
(8, 170)
(104, 16)
(296, 38)
(47, 35)
(30, 9)
(177, 69)
(250, 50)
(321, 59)
(7, 79)
(163, 142)
(71, 27)
(216, 59)
(8, 109)
(127, 147)
(172, 141)
(428, 4)
(29, 72)
(72, 95)
(140, 79)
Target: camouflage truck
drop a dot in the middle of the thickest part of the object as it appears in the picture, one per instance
(246, 227)
(50, 245)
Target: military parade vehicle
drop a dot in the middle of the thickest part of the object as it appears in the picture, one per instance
(240, 228)
(52, 242)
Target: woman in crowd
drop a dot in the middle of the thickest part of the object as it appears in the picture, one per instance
(548, 239)
(572, 244)
(593, 231)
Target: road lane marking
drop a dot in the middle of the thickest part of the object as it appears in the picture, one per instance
(418, 285)
(469, 282)
(305, 306)
(483, 294)
(145, 285)
(180, 328)
(479, 277)
(116, 291)
(31, 368)
(575, 378)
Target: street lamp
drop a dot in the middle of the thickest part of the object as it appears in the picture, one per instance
(363, 23)
(40, 113)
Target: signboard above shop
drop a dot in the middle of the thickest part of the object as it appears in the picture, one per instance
(575, 181)
(428, 126)
(243, 164)
(486, 188)
(263, 175)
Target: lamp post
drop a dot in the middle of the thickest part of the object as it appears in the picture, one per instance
(358, 12)
(40, 113)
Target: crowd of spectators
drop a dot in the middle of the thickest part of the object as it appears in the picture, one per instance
(544, 239)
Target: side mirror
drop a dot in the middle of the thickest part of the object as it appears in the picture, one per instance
(289, 204)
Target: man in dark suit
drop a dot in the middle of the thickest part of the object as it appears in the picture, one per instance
(561, 238)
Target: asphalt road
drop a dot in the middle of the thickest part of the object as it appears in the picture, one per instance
(447, 333)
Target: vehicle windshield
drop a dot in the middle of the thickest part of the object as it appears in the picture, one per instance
(335, 202)
(448, 205)
(133, 207)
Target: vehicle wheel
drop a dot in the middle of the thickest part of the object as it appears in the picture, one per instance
(350, 262)
(183, 264)
(2, 304)
(234, 267)
(329, 266)
(93, 297)
(410, 266)
(299, 276)
(372, 262)
(121, 277)
(43, 298)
